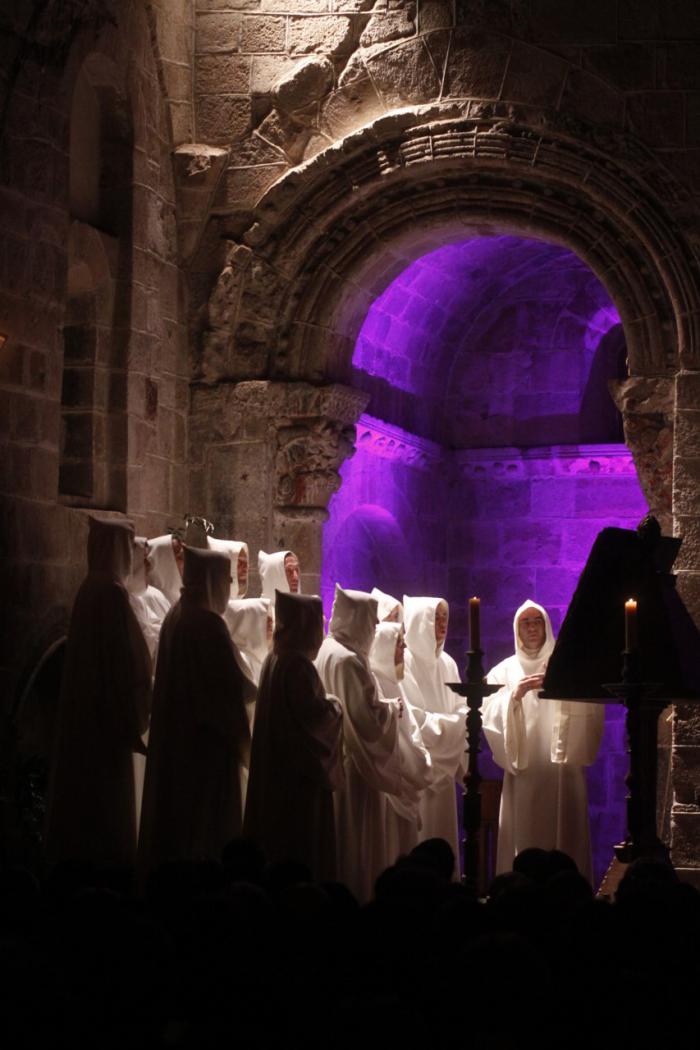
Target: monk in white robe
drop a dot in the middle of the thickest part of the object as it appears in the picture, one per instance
(103, 711)
(249, 621)
(543, 746)
(403, 820)
(370, 742)
(278, 572)
(199, 733)
(238, 553)
(440, 713)
(296, 760)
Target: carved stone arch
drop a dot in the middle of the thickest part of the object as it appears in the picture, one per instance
(327, 239)
(330, 235)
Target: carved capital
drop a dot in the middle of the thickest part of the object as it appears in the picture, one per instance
(647, 409)
(315, 434)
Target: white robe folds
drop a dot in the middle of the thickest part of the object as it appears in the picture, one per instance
(199, 731)
(543, 746)
(165, 574)
(403, 820)
(441, 716)
(370, 742)
(103, 711)
(246, 619)
(296, 761)
(150, 608)
(149, 603)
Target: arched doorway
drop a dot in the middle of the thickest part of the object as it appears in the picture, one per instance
(326, 241)
(495, 353)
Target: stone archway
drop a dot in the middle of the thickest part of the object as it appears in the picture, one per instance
(331, 235)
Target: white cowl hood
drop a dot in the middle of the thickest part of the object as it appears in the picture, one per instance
(353, 619)
(440, 711)
(532, 664)
(416, 764)
(272, 575)
(165, 574)
(149, 604)
(246, 619)
(381, 658)
(137, 583)
(386, 604)
(109, 551)
(419, 619)
(233, 548)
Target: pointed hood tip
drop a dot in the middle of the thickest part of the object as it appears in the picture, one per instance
(353, 620)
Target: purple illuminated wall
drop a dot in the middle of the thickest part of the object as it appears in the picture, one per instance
(492, 455)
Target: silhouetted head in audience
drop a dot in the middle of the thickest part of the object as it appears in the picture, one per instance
(243, 861)
(541, 865)
(436, 854)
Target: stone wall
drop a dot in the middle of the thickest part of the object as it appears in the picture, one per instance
(292, 157)
(358, 136)
(93, 376)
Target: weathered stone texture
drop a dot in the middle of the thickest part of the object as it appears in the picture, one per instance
(220, 74)
(329, 35)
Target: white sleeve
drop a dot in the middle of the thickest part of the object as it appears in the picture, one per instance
(504, 722)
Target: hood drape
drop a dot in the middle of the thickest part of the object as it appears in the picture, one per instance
(165, 574)
(533, 664)
(381, 657)
(298, 624)
(419, 619)
(272, 575)
(109, 548)
(206, 581)
(386, 604)
(246, 619)
(232, 548)
(353, 619)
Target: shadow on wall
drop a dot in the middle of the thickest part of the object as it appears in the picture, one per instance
(368, 550)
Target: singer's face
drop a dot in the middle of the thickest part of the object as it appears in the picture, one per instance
(531, 629)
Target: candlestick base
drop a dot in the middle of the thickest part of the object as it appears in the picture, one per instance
(643, 707)
(474, 689)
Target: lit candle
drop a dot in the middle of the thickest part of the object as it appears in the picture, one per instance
(474, 623)
(630, 624)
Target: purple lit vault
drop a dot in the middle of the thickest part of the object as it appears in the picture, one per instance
(493, 454)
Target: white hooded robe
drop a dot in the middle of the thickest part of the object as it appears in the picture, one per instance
(370, 742)
(403, 820)
(296, 760)
(199, 731)
(272, 575)
(441, 715)
(543, 746)
(387, 606)
(233, 549)
(165, 574)
(149, 603)
(246, 619)
(103, 711)
(150, 608)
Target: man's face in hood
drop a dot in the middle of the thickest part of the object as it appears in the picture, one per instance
(531, 629)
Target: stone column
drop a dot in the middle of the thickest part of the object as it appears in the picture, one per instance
(685, 814)
(264, 462)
